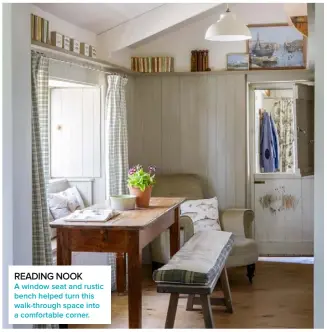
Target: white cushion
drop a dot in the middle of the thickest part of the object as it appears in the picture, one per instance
(206, 225)
(203, 212)
(58, 206)
(73, 197)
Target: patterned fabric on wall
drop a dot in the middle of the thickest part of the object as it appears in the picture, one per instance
(116, 133)
(283, 117)
(116, 147)
(42, 253)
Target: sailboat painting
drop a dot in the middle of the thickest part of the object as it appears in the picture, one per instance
(276, 46)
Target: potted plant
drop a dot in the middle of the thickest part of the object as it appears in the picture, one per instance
(140, 184)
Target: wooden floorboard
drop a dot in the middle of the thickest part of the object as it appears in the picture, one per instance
(281, 297)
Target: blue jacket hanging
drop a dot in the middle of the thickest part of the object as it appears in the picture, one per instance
(275, 141)
(267, 147)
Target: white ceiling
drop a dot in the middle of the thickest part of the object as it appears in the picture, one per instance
(97, 17)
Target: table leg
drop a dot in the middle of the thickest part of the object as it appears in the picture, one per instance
(121, 272)
(174, 234)
(134, 282)
(64, 254)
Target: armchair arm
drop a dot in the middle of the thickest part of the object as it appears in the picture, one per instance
(238, 221)
(186, 226)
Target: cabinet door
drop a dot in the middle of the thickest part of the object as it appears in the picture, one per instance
(304, 103)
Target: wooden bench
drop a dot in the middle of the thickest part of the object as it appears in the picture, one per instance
(195, 271)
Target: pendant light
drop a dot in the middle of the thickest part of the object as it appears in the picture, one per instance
(228, 28)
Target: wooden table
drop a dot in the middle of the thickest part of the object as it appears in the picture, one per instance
(128, 233)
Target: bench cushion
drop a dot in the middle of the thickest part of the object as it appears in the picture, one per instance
(199, 260)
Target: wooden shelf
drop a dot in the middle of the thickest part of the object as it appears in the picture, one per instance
(112, 67)
(223, 72)
(60, 51)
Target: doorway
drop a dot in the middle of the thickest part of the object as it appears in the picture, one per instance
(281, 117)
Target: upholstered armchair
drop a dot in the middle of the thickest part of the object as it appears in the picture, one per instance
(245, 249)
(237, 221)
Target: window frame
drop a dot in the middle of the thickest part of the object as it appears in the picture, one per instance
(56, 83)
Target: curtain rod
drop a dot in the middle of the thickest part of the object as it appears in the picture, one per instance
(51, 57)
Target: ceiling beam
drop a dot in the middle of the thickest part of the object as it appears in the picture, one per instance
(147, 25)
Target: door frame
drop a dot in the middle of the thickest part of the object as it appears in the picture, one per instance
(251, 87)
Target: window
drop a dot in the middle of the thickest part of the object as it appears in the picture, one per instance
(275, 131)
(74, 130)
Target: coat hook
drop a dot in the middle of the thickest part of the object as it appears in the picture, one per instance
(59, 127)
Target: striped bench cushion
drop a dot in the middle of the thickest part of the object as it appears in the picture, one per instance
(199, 261)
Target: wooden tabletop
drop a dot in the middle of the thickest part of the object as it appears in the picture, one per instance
(132, 219)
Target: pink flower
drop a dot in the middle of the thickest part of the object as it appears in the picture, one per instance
(132, 170)
(152, 169)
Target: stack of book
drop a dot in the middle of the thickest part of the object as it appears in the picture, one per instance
(39, 29)
(200, 60)
(152, 64)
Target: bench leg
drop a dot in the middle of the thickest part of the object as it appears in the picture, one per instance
(172, 308)
(226, 290)
(189, 305)
(207, 312)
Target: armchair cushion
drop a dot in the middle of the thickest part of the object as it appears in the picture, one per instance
(203, 212)
(201, 208)
(206, 225)
(244, 252)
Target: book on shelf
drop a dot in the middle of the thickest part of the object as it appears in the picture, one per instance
(152, 64)
(92, 215)
(39, 29)
(203, 60)
(199, 60)
(193, 60)
(206, 59)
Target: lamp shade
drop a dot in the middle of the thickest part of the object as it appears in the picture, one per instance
(228, 28)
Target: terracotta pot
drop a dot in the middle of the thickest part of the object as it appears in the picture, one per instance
(142, 197)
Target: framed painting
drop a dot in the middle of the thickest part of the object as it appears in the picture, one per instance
(276, 46)
(237, 61)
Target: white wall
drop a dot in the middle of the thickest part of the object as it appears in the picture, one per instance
(17, 157)
(319, 170)
(193, 124)
(65, 28)
(179, 43)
